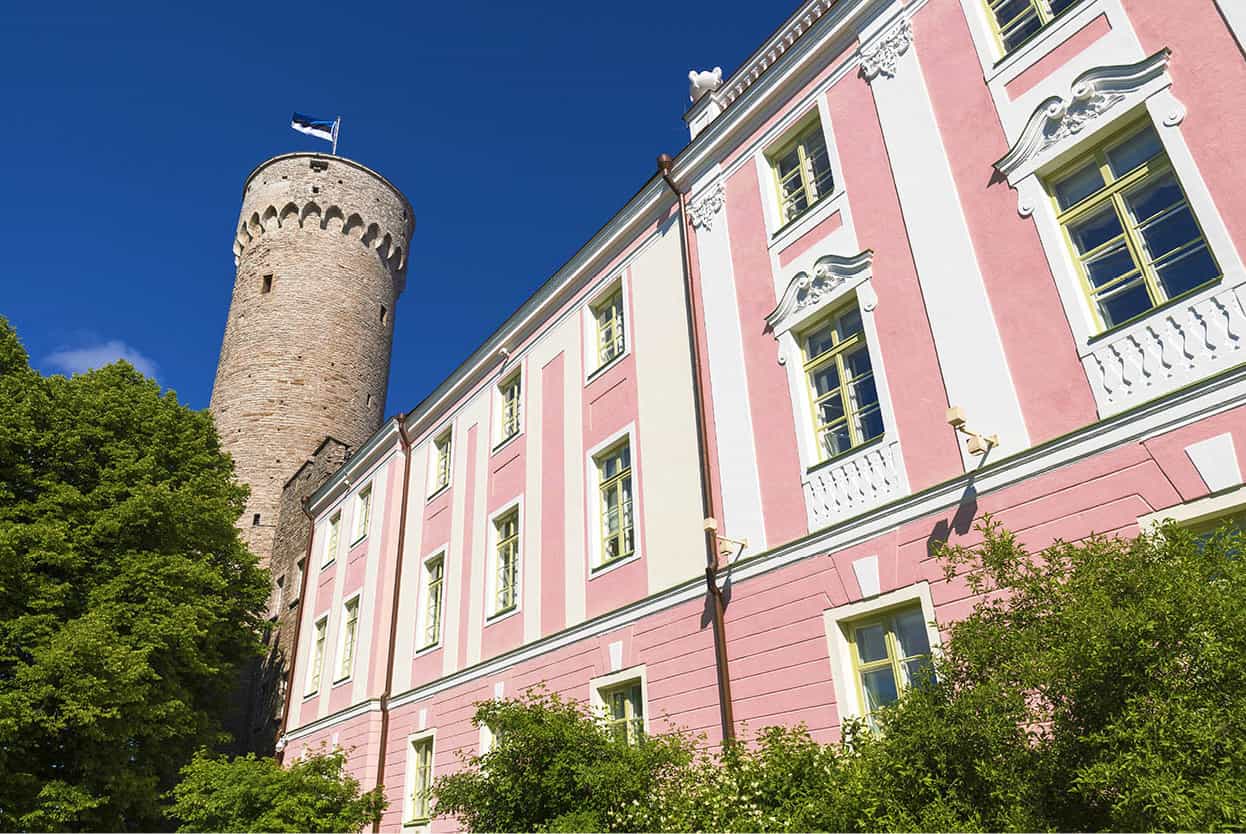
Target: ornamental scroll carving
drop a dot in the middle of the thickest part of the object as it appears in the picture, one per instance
(1059, 119)
(883, 57)
(809, 289)
(701, 213)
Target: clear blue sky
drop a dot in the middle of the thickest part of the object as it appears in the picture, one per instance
(129, 128)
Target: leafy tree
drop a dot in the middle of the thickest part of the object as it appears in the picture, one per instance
(555, 766)
(1095, 686)
(250, 794)
(127, 600)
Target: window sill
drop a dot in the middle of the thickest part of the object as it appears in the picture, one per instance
(436, 493)
(1185, 297)
(843, 457)
(607, 567)
(429, 649)
(341, 681)
(601, 369)
(328, 564)
(307, 696)
(506, 441)
(418, 822)
(358, 540)
(504, 614)
(794, 229)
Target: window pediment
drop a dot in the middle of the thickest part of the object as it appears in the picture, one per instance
(809, 290)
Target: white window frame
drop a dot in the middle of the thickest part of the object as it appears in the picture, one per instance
(422, 619)
(344, 675)
(514, 505)
(838, 620)
(500, 438)
(364, 511)
(332, 541)
(592, 482)
(446, 431)
(620, 283)
(632, 674)
(309, 690)
(409, 822)
(300, 576)
(1209, 508)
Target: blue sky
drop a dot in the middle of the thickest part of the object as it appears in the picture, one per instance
(130, 127)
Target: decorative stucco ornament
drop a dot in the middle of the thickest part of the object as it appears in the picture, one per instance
(705, 81)
(701, 213)
(882, 57)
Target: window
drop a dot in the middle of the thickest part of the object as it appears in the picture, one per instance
(1015, 21)
(841, 384)
(441, 461)
(506, 565)
(509, 392)
(350, 633)
(267, 285)
(608, 314)
(279, 595)
(802, 172)
(363, 512)
(335, 533)
(1130, 227)
(298, 582)
(422, 779)
(890, 653)
(626, 711)
(317, 664)
(434, 586)
(614, 469)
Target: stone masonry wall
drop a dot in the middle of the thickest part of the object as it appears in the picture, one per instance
(321, 253)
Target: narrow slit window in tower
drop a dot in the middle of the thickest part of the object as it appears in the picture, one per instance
(384, 314)
(255, 520)
(267, 286)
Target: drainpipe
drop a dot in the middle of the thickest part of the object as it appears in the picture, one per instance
(393, 613)
(298, 626)
(699, 384)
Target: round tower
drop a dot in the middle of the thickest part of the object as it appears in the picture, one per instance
(321, 256)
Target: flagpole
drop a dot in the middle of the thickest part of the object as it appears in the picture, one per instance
(337, 123)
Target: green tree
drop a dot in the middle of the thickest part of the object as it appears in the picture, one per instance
(555, 766)
(250, 794)
(127, 600)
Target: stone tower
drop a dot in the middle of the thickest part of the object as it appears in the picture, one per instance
(321, 255)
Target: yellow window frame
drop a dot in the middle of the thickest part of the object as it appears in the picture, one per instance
(628, 699)
(841, 346)
(363, 514)
(1039, 8)
(623, 485)
(318, 647)
(435, 569)
(611, 334)
(808, 186)
(335, 535)
(1113, 193)
(511, 391)
(422, 780)
(506, 567)
(350, 638)
(893, 660)
(441, 472)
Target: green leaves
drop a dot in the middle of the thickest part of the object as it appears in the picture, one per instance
(250, 794)
(127, 601)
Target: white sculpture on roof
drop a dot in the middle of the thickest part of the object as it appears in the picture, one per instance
(705, 81)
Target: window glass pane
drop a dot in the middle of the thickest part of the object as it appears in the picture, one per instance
(849, 323)
(1125, 303)
(819, 163)
(826, 378)
(1134, 151)
(917, 670)
(1007, 11)
(1187, 270)
(871, 424)
(1095, 230)
(1078, 185)
(836, 440)
(880, 688)
(871, 642)
(1017, 32)
(830, 410)
(857, 361)
(820, 341)
(1112, 264)
(864, 393)
(911, 633)
(1058, 6)
(1169, 231)
(1154, 196)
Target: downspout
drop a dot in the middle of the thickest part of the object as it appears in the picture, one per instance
(298, 627)
(726, 712)
(393, 613)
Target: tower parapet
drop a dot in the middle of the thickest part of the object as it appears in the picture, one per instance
(321, 254)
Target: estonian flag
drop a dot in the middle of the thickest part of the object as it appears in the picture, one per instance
(323, 128)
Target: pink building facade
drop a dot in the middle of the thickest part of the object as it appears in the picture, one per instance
(1030, 211)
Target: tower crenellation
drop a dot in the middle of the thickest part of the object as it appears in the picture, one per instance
(321, 254)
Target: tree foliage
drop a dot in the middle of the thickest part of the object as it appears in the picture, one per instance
(249, 794)
(1095, 686)
(127, 600)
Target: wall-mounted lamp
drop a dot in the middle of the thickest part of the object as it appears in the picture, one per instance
(978, 444)
(730, 549)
